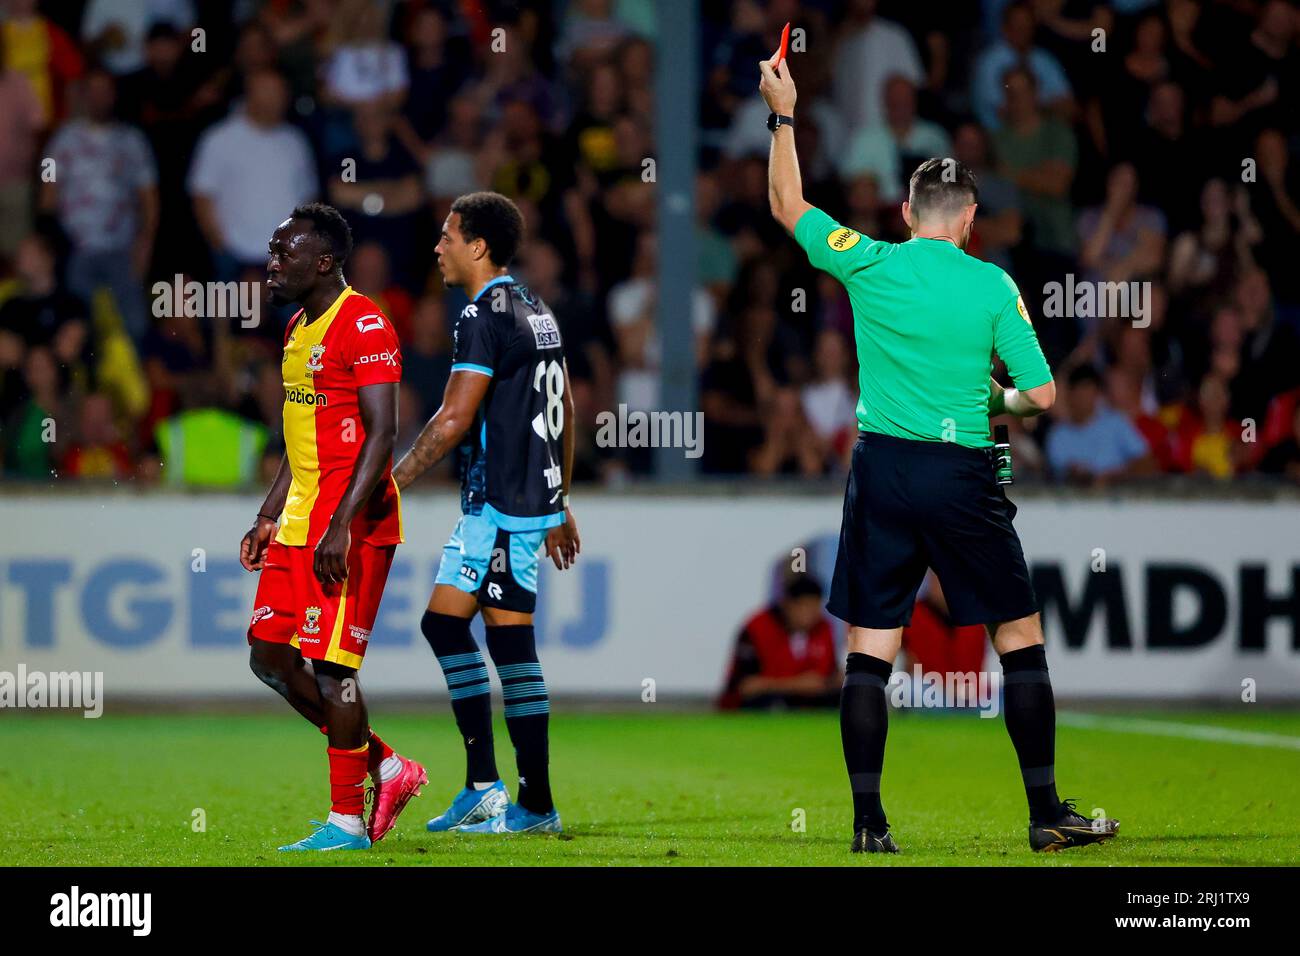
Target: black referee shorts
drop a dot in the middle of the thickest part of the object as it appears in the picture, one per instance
(912, 505)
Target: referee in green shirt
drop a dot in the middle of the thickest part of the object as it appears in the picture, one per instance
(927, 319)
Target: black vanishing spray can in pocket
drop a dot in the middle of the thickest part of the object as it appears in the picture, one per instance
(1002, 455)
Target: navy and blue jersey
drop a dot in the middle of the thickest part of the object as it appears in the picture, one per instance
(510, 459)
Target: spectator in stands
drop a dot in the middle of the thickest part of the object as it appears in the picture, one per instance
(785, 654)
(787, 448)
(40, 50)
(437, 71)
(733, 426)
(1276, 201)
(208, 446)
(33, 431)
(870, 49)
(451, 167)
(829, 400)
(1124, 395)
(1015, 48)
(1259, 91)
(1038, 153)
(1269, 348)
(249, 171)
(1205, 262)
(379, 191)
(591, 29)
(588, 342)
(511, 75)
(1206, 440)
(367, 70)
(901, 142)
(115, 30)
(41, 313)
(631, 306)
(1000, 226)
(21, 119)
(1170, 156)
(177, 356)
(426, 354)
(168, 99)
(1121, 240)
(97, 450)
(369, 273)
(715, 257)
(1284, 458)
(1115, 113)
(1094, 444)
(105, 193)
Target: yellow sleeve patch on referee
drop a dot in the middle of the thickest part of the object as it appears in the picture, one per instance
(842, 240)
(1024, 313)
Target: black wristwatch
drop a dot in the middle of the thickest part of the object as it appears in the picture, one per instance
(776, 120)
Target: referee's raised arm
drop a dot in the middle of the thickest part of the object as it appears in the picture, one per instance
(784, 185)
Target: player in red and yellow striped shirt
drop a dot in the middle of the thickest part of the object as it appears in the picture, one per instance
(336, 517)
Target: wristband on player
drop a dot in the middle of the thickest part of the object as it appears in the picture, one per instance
(268, 518)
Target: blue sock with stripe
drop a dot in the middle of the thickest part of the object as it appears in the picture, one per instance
(467, 681)
(528, 709)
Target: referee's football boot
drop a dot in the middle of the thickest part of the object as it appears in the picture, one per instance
(864, 841)
(1070, 829)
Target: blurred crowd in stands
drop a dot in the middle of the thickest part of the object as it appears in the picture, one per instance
(1135, 146)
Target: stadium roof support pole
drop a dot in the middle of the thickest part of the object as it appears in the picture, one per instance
(676, 113)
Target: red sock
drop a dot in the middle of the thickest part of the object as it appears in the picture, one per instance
(347, 774)
(379, 751)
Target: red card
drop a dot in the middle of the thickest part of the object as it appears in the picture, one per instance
(779, 55)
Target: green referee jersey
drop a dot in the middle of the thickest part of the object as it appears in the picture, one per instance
(927, 319)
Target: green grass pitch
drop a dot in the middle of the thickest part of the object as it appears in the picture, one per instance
(668, 789)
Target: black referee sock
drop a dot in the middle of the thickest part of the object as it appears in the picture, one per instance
(864, 722)
(467, 681)
(528, 710)
(1031, 721)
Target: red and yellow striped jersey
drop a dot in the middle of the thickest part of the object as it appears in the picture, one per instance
(325, 363)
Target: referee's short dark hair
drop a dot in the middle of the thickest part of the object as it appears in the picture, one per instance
(942, 186)
(328, 223)
(495, 219)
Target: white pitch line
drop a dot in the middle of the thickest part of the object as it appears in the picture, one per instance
(1163, 728)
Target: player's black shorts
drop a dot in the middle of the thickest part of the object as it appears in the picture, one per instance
(912, 505)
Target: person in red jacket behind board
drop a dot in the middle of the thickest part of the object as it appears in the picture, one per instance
(934, 642)
(785, 654)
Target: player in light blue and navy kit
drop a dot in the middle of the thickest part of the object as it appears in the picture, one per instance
(510, 458)
(508, 413)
